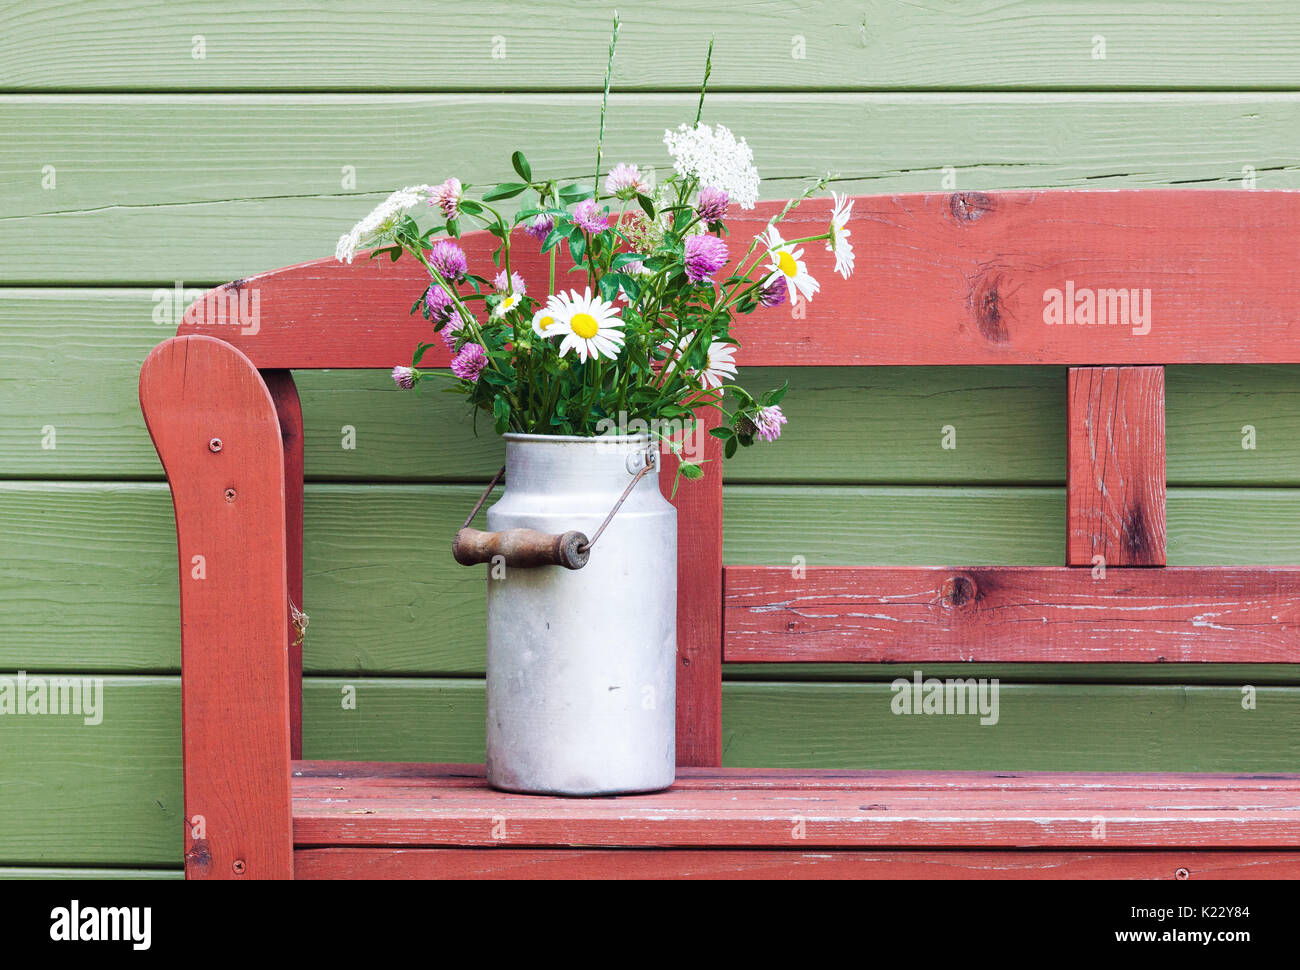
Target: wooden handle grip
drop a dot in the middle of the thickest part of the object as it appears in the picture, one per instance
(521, 548)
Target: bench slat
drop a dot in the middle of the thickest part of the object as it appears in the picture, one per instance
(328, 778)
(384, 863)
(996, 614)
(941, 278)
(862, 810)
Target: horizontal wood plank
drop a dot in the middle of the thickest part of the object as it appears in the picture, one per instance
(275, 196)
(83, 872)
(530, 45)
(847, 425)
(109, 794)
(854, 425)
(496, 863)
(88, 570)
(388, 779)
(954, 278)
(1010, 614)
(861, 812)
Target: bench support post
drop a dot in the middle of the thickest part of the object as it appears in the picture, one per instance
(1116, 476)
(699, 600)
(215, 426)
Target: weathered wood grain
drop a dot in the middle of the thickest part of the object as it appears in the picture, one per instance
(1104, 727)
(88, 571)
(992, 810)
(111, 794)
(954, 278)
(848, 425)
(699, 595)
(207, 208)
(1010, 614)
(288, 411)
(531, 45)
(423, 780)
(1115, 492)
(215, 426)
(496, 863)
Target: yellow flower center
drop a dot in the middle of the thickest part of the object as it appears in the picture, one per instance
(786, 262)
(584, 325)
(546, 322)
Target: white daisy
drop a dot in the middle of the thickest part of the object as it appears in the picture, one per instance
(721, 366)
(839, 241)
(552, 320)
(592, 327)
(508, 302)
(788, 261)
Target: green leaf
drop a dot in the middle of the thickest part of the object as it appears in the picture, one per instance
(521, 166)
(470, 207)
(578, 246)
(726, 434)
(647, 204)
(631, 286)
(730, 448)
(608, 286)
(500, 414)
(691, 471)
(506, 190)
(554, 237)
(576, 193)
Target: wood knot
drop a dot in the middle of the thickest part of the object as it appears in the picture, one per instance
(970, 206)
(986, 304)
(1138, 538)
(958, 592)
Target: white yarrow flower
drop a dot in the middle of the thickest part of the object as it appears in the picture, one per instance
(716, 158)
(381, 220)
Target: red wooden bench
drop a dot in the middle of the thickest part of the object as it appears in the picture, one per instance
(961, 278)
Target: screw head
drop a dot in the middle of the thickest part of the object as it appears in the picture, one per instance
(214, 445)
(1181, 873)
(230, 495)
(239, 867)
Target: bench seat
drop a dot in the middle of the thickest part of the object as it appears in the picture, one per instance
(421, 820)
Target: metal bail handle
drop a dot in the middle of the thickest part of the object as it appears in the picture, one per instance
(528, 548)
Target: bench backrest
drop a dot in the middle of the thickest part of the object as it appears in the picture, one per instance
(1112, 284)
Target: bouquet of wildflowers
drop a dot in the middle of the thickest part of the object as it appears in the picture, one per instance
(644, 339)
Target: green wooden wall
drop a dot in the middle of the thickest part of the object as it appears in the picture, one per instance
(145, 143)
